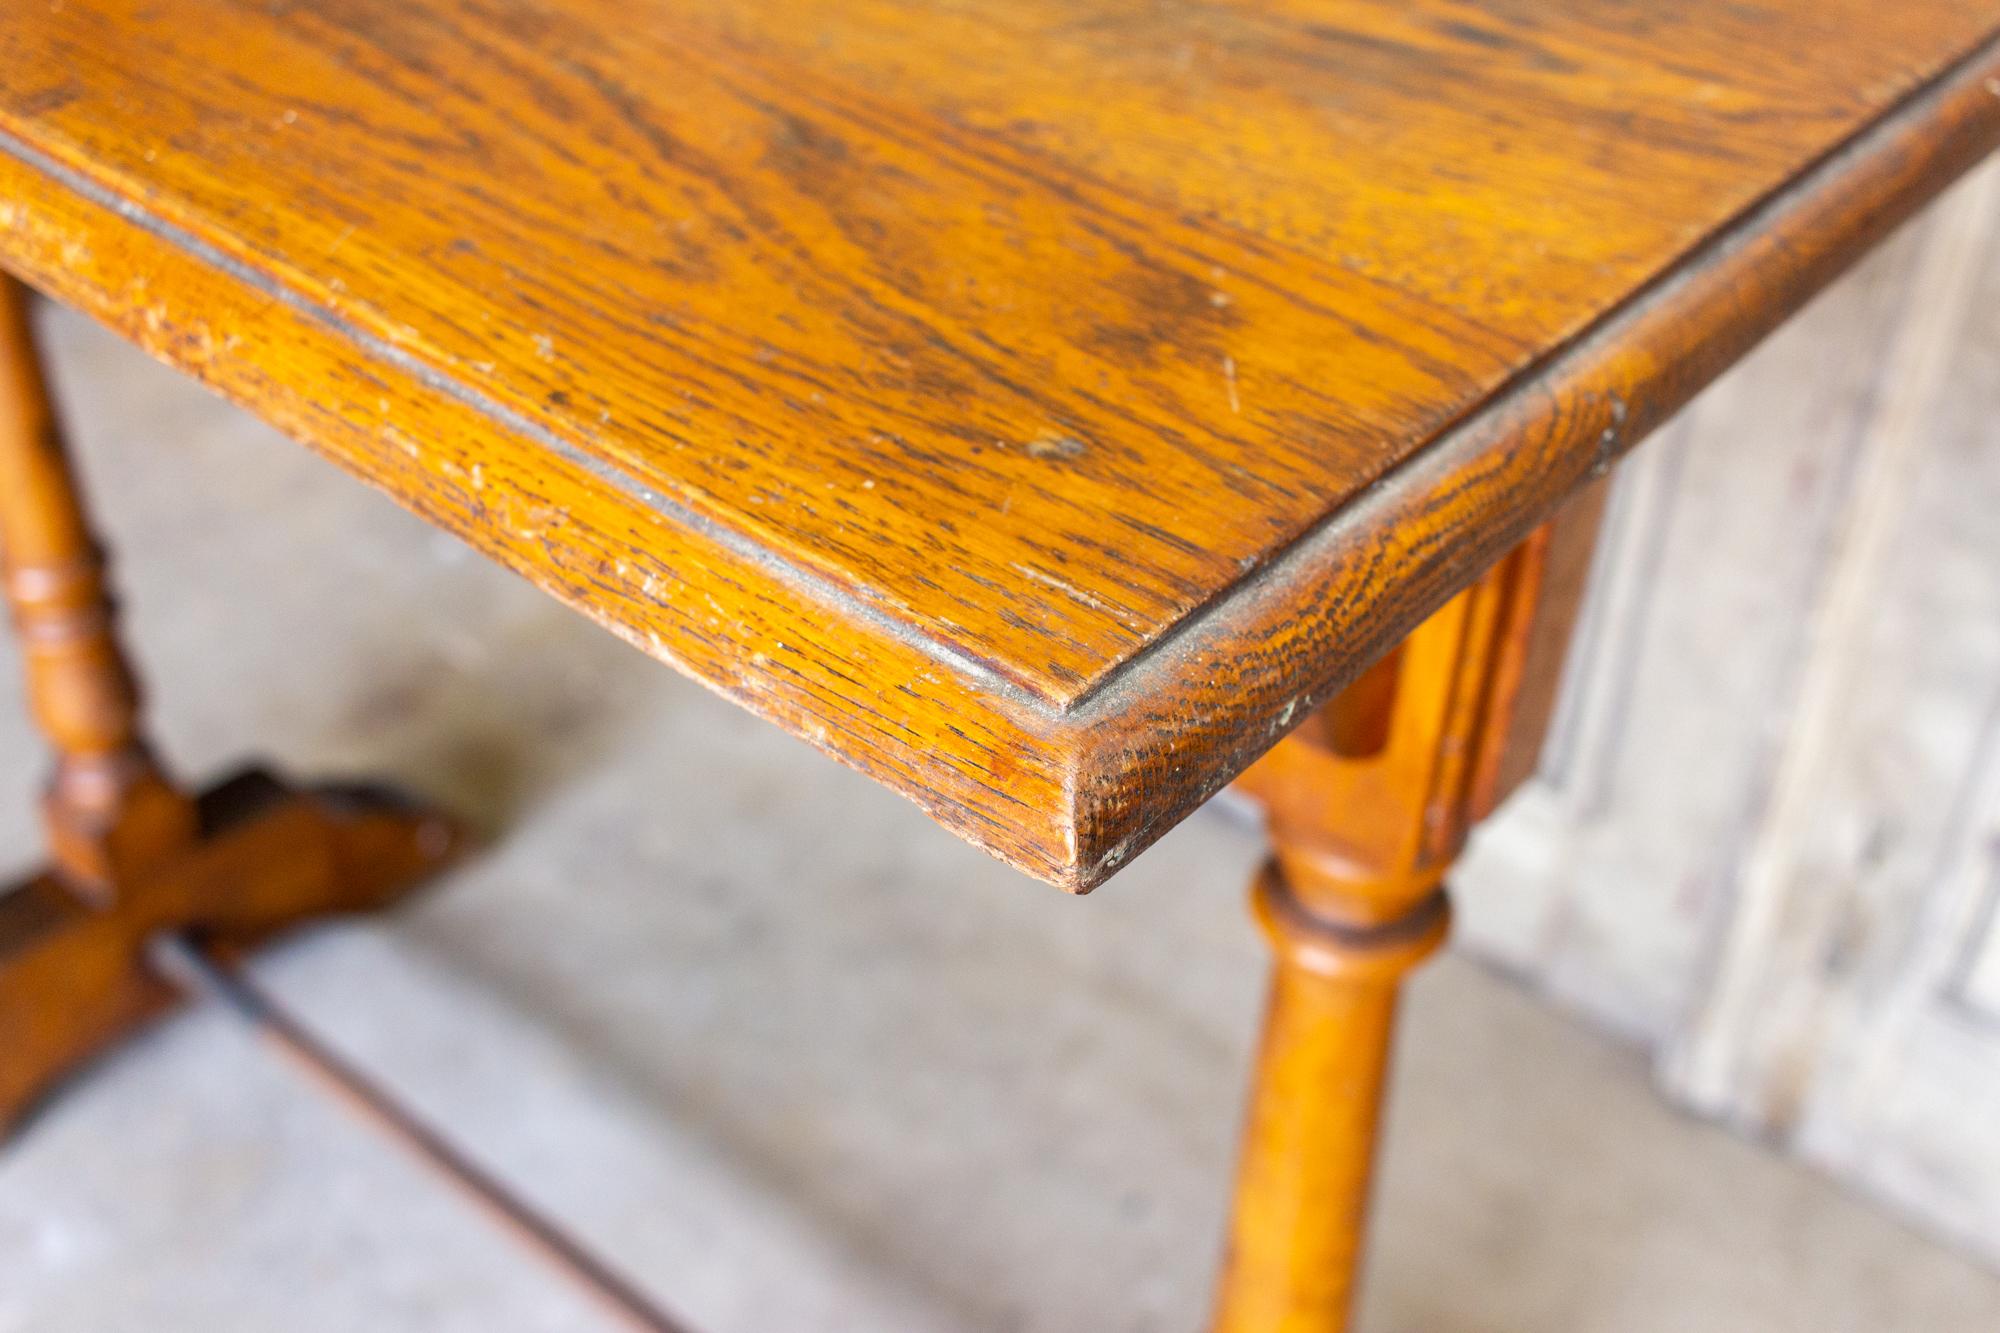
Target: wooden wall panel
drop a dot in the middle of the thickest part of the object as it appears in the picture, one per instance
(1765, 837)
(1602, 879)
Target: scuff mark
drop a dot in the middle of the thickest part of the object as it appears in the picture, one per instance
(1284, 723)
(1114, 858)
(1607, 442)
(1066, 588)
(1051, 445)
(1229, 378)
(400, 440)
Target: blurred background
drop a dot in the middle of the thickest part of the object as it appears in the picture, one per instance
(1718, 1047)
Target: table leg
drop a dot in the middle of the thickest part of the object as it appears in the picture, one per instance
(131, 854)
(1368, 803)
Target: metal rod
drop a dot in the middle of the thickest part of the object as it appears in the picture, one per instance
(183, 963)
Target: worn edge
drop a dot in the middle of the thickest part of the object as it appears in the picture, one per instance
(1102, 782)
(1320, 613)
(988, 767)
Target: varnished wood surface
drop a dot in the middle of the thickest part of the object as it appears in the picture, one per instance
(262, 859)
(108, 807)
(1040, 406)
(1369, 803)
(132, 855)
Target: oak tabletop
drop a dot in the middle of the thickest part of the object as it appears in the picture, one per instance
(1037, 404)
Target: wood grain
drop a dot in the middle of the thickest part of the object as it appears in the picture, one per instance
(1038, 406)
(131, 855)
(108, 806)
(1352, 899)
(264, 859)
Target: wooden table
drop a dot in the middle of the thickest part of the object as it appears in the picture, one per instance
(1043, 407)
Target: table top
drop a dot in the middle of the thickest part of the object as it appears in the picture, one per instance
(1038, 404)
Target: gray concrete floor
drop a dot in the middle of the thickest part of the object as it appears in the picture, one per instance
(782, 1049)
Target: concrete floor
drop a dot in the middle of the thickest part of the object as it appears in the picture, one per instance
(781, 1048)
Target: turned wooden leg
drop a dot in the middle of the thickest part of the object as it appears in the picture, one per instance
(130, 853)
(1368, 803)
(1302, 1192)
(107, 804)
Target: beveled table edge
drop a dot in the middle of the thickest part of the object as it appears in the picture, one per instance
(1068, 795)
